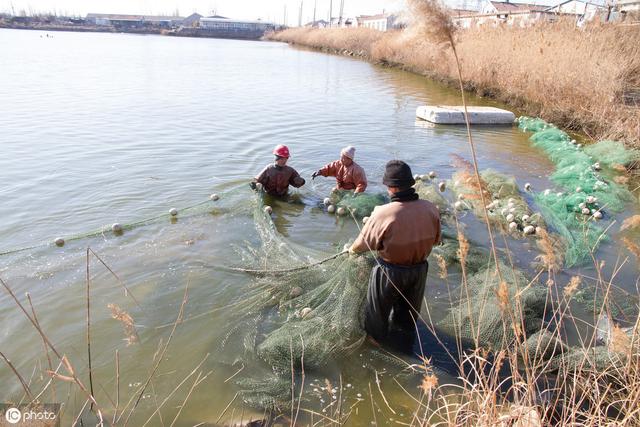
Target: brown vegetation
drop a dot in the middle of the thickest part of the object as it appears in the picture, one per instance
(577, 78)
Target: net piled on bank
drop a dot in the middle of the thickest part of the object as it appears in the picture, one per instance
(591, 181)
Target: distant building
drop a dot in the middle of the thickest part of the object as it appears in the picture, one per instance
(133, 21)
(582, 10)
(192, 20)
(226, 24)
(503, 13)
(321, 23)
(381, 22)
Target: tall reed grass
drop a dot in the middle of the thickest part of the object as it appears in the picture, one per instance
(577, 78)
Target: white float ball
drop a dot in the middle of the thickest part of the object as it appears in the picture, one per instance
(586, 211)
(527, 186)
(331, 209)
(596, 166)
(432, 174)
(442, 186)
(416, 177)
(460, 196)
(547, 192)
(341, 211)
(578, 189)
(268, 210)
(365, 219)
(525, 218)
(504, 211)
(529, 229)
(424, 177)
(59, 241)
(510, 217)
(214, 197)
(458, 205)
(173, 211)
(597, 215)
(513, 226)
(116, 228)
(305, 312)
(326, 201)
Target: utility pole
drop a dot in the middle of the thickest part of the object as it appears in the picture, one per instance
(315, 3)
(341, 12)
(300, 14)
(330, 12)
(284, 18)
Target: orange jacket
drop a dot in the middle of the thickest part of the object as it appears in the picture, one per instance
(348, 177)
(403, 233)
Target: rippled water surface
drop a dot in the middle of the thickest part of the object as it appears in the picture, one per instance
(104, 128)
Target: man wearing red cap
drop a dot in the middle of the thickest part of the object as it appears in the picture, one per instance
(276, 178)
(349, 175)
(402, 232)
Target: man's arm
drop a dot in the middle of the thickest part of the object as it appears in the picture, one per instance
(370, 237)
(296, 180)
(360, 179)
(330, 169)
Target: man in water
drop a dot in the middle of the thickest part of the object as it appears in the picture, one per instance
(276, 178)
(349, 175)
(403, 232)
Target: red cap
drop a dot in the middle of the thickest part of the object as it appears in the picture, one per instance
(282, 151)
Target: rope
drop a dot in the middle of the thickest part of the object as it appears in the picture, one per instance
(277, 272)
(102, 231)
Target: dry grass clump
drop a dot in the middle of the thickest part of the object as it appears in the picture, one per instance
(575, 77)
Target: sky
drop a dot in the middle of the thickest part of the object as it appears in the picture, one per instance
(271, 10)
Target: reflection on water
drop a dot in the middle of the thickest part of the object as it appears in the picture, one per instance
(105, 128)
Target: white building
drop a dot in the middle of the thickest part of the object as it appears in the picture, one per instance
(503, 13)
(582, 10)
(382, 22)
(628, 6)
(226, 24)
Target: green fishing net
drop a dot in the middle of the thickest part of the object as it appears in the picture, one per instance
(359, 204)
(587, 177)
(506, 206)
(299, 309)
(479, 315)
(428, 191)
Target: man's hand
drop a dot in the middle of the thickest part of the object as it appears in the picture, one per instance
(349, 248)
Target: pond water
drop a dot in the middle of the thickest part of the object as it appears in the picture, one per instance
(106, 128)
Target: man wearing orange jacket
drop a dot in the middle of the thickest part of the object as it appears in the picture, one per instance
(349, 175)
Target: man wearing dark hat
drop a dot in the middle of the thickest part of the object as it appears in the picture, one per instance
(403, 232)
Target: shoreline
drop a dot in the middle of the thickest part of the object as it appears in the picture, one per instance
(190, 33)
(603, 106)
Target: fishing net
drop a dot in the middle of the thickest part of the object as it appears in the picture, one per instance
(428, 191)
(480, 313)
(359, 204)
(299, 309)
(506, 207)
(591, 183)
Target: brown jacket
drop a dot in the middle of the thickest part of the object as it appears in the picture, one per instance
(276, 180)
(348, 177)
(403, 233)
